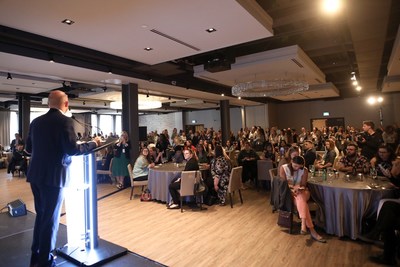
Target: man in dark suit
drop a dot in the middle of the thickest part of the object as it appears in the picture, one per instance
(50, 142)
(175, 185)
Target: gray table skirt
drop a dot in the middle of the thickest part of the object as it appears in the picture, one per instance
(344, 204)
(159, 180)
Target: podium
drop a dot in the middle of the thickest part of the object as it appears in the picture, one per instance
(84, 247)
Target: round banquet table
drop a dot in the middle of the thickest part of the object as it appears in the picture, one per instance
(161, 176)
(159, 179)
(345, 201)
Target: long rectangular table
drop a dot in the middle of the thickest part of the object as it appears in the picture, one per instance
(346, 201)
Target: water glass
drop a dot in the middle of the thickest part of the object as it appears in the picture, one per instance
(312, 169)
(373, 173)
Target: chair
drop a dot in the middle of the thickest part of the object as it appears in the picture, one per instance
(263, 167)
(235, 183)
(188, 179)
(106, 172)
(135, 183)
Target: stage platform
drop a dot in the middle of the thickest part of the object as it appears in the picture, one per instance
(16, 238)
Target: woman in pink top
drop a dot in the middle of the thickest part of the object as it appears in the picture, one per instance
(296, 176)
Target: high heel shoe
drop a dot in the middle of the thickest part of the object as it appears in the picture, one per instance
(320, 239)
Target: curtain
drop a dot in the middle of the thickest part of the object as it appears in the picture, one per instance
(5, 128)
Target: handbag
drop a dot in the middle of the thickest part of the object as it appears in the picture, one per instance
(199, 186)
(146, 195)
(285, 219)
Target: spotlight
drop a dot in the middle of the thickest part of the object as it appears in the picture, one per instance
(84, 103)
(169, 98)
(147, 94)
(9, 77)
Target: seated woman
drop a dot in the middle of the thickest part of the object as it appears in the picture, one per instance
(387, 164)
(296, 175)
(178, 156)
(269, 152)
(329, 157)
(289, 155)
(220, 171)
(201, 154)
(142, 165)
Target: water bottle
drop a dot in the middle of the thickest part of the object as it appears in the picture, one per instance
(323, 175)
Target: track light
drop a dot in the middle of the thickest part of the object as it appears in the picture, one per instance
(9, 77)
(147, 94)
(84, 103)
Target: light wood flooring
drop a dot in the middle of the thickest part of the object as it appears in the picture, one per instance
(246, 235)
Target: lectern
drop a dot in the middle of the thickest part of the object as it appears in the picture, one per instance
(84, 246)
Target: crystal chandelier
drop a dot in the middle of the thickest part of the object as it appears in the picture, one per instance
(264, 88)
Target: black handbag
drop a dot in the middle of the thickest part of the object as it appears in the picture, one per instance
(285, 219)
(199, 186)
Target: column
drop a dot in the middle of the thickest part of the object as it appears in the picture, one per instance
(225, 120)
(130, 116)
(24, 114)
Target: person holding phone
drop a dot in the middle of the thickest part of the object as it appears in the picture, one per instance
(296, 175)
(121, 159)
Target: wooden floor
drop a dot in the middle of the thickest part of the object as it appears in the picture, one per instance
(246, 235)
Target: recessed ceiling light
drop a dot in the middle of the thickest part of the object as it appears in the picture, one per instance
(358, 88)
(68, 21)
(210, 30)
(148, 48)
(222, 94)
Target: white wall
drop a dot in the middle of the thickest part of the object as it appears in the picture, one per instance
(257, 115)
(163, 121)
(212, 118)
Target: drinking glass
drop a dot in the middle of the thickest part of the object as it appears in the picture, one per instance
(312, 169)
(330, 175)
(373, 173)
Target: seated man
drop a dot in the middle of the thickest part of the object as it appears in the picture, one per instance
(18, 159)
(248, 159)
(309, 153)
(352, 161)
(175, 185)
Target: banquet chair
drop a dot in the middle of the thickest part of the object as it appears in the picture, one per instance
(263, 167)
(105, 172)
(188, 179)
(135, 183)
(235, 183)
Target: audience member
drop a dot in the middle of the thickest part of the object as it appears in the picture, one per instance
(248, 159)
(369, 141)
(329, 157)
(296, 175)
(220, 171)
(142, 165)
(121, 159)
(15, 142)
(309, 152)
(386, 164)
(18, 159)
(352, 161)
(175, 185)
(155, 157)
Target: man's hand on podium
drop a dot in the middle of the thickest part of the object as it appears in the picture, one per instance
(97, 139)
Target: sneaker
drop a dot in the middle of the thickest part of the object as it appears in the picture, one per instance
(173, 206)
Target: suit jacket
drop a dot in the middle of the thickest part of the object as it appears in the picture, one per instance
(51, 141)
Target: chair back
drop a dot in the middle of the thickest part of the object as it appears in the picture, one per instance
(273, 172)
(263, 167)
(133, 182)
(235, 180)
(188, 179)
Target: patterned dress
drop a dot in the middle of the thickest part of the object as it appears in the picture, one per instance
(221, 168)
